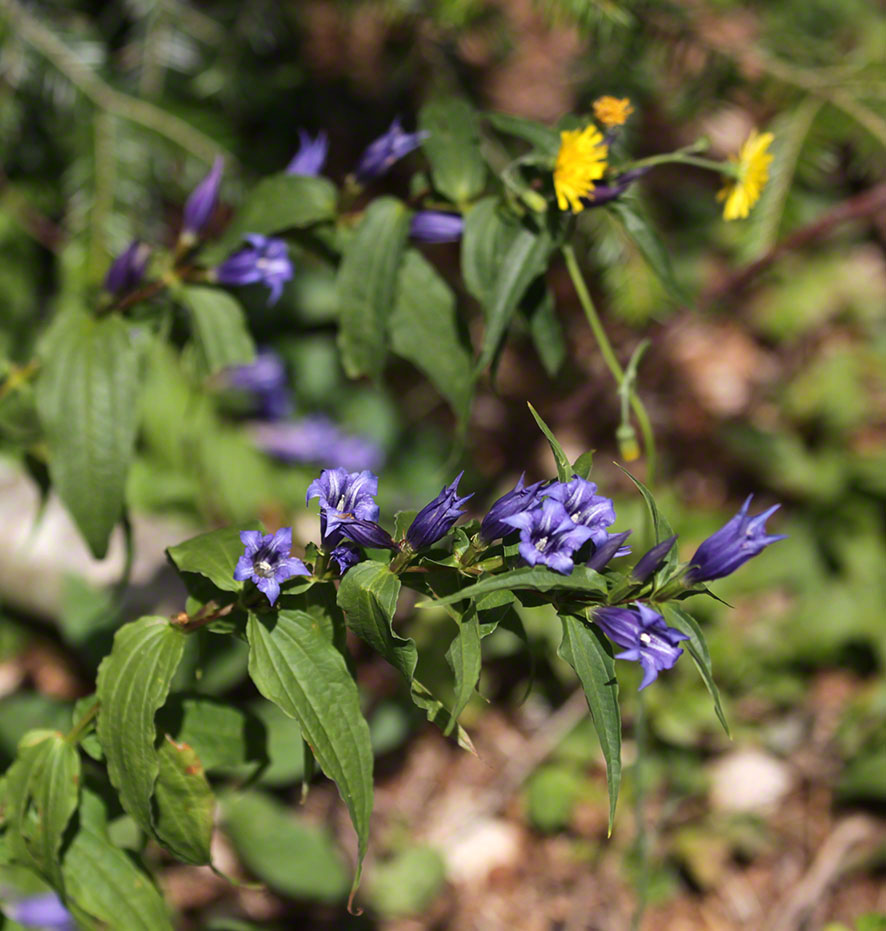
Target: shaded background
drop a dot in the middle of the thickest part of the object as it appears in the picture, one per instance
(770, 379)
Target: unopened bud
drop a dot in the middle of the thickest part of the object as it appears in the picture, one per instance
(628, 446)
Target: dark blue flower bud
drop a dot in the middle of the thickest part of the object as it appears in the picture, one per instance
(364, 532)
(345, 555)
(264, 261)
(522, 498)
(650, 562)
(609, 549)
(604, 193)
(127, 269)
(436, 518)
(200, 206)
(311, 155)
(436, 226)
(648, 638)
(732, 545)
(548, 535)
(387, 149)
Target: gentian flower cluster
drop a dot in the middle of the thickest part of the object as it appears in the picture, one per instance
(348, 509)
(265, 260)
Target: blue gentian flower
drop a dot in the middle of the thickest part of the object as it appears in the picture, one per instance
(732, 545)
(609, 550)
(585, 506)
(436, 518)
(549, 536)
(348, 508)
(267, 562)
(436, 226)
(522, 498)
(649, 562)
(200, 206)
(311, 155)
(127, 269)
(345, 555)
(264, 261)
(44, 911)
(265, 378)
(316, 439)
(387, 149)
(648, 639)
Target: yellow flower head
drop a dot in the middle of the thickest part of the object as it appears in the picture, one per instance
(742, 192)
(610, 111)
(580, 162)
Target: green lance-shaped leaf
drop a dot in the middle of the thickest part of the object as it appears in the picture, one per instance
(184, 803)
(366, 284)
(453, 148)
(525, 260)
(295, 666)
(133, 682)
(545, 327)
(677, 617)
(424, 329)
(104, 889)
(587, 651)
(218, 324)
(213, 555)
(660, 526)
(564, 469)
(645, 237)
(42, 790)
(464, 659)
(542, 138)
(488, 234)
(300, 860)
(535, 578)
(368, 595)
(87, 403)
(277, 203)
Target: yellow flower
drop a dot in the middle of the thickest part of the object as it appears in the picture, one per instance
(610, 111)
(742, 192)
(580, 162)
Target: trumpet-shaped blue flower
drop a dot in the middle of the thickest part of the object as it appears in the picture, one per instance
(311, 155)
(200, 206)
(348, 508)
(732, 545)
(127, 269)
(267, 562)
(548, 535)
(387, 149)
(585, 507)
(436, 226)
(522, 498)
(264, 261)
(647, 638)
(436, 518)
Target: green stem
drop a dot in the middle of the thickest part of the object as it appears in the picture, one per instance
(640, 814)
(610, 358)
(77, 731)
(682, 158)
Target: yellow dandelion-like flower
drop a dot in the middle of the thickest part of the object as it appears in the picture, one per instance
(743, 191)
(610, 111)
(580, 162)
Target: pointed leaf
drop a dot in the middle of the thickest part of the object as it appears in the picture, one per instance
(677, 617)
(542, 138)
(453, 148)
(367, 280)
(545, 328)
(42, 791)
(133, 682)
(587, 651)
(218, 324)
(213, 555)
(488, 234)
(524, 261)
(295, 666)
(87, 403)
(534, 578)
(661, 528)
(583, 465)
(184, 803)
(464, 659)
(424, 329)
(564, 469)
